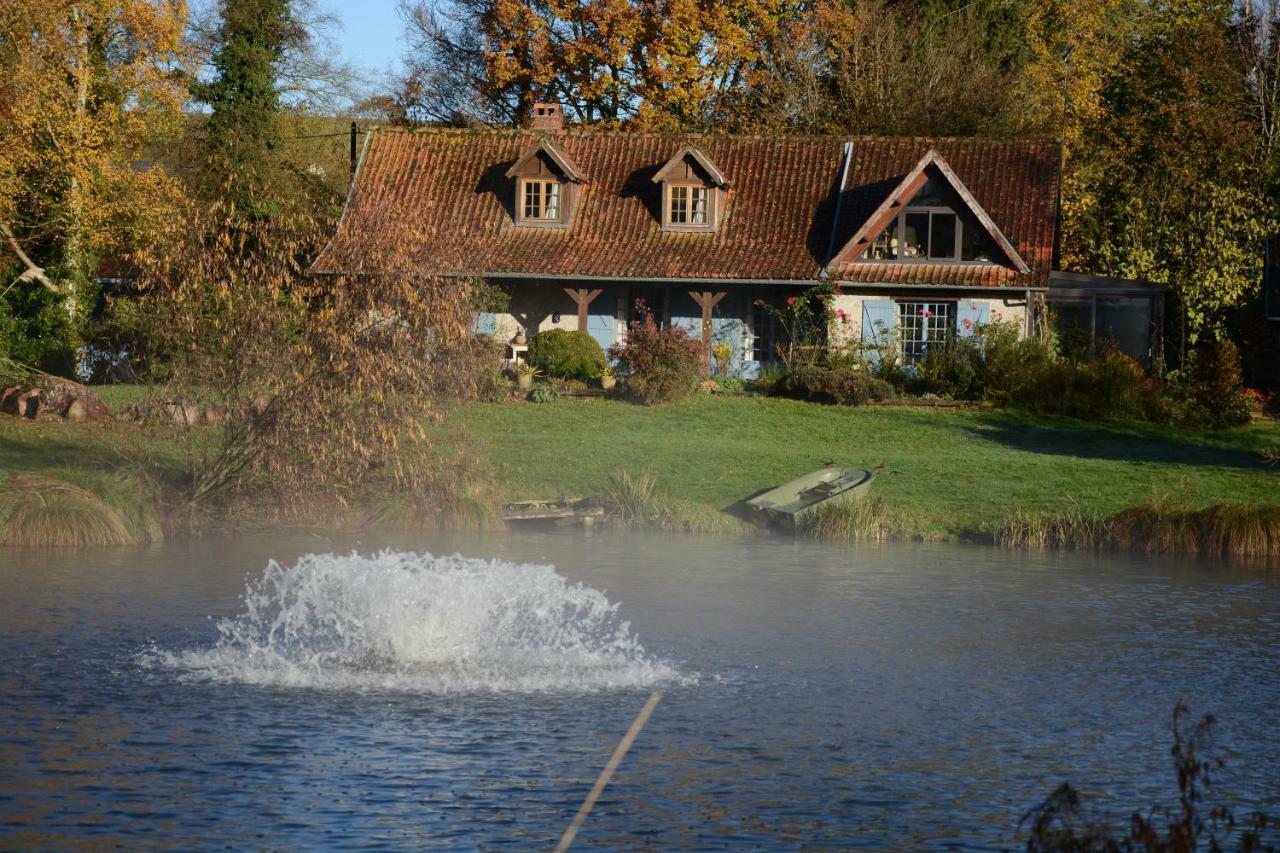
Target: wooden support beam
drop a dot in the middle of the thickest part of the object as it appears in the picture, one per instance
(706, 300)
(582, 298)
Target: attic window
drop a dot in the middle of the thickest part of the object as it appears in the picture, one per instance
(935, 234)
(547, 187)
(542, 201)
(689, 205)
(693, 191)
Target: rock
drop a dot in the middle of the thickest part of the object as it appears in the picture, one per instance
(186, 414)
(87, 407)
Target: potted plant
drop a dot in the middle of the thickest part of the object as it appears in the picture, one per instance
(525, 374)
(520, 340)
(608, 378)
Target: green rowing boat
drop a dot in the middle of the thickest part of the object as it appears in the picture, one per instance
(792, 500)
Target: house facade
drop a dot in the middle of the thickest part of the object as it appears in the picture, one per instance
(924, 237)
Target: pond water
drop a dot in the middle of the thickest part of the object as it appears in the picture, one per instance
(883, 696)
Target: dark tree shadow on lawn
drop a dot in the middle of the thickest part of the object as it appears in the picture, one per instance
(1116, 441)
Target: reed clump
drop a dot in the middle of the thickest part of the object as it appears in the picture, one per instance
(1241, 530)
(634, 500)
(37, 512)
(866, 520)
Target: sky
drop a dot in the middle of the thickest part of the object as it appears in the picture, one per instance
(371, 32)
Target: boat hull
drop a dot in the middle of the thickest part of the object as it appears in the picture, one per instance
(791, 502)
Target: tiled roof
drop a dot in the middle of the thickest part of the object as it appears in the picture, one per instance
(1016, 182)
(454, 205)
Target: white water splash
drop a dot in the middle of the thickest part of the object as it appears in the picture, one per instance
(406, 621)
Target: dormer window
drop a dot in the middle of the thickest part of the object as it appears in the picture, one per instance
(693, 191)
(689, 205)
(547, 185)
(930, 216)
(542, 200)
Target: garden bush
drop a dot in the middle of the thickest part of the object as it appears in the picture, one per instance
(662, 364)
(1209, 391)
(566, 354)
(544, 392)
(826, 385)
(953, 368)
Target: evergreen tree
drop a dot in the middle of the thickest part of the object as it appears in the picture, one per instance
(242, 135)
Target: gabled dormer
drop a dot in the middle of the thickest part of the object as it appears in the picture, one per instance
(693, 191)
(930, 216)
(547, 186)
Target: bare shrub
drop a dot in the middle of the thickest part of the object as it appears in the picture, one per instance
(325, 382)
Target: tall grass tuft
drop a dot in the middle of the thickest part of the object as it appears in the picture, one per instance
(1237, 530)
(130, 497)
(1240, 529)
(634, 499)
(1071, 528)
(865, 520)
(46, 513)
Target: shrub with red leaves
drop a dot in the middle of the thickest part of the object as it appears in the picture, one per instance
(662, 364)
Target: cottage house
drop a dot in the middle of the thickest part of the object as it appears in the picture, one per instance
(586, 229)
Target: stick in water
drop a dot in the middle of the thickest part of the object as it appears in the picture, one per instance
(607, 773)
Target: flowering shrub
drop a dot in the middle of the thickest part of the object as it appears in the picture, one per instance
(662, 364)
(803, 323)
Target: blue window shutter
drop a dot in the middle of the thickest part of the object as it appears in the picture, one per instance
(486, 323)
(970, 315)
(879, 327)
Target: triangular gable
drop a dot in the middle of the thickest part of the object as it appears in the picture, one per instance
(704, 163)
(563, 163)
(902, 195)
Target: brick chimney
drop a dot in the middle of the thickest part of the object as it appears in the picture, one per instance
(546, 117)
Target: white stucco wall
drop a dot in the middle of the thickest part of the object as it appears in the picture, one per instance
(850, 328)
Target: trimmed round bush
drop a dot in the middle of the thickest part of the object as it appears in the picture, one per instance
(566, 354)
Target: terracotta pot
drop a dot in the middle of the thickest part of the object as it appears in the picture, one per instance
(607, 382)
(524, 381)
(520, 340)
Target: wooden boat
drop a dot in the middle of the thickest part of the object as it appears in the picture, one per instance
(791, 501)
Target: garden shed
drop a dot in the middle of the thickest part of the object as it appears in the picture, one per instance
(1089, 312)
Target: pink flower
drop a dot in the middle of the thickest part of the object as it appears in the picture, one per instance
(928, 314)
(840, 312)
(791, 300)
(968, 324)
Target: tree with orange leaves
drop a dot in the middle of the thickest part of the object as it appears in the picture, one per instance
(89, 85)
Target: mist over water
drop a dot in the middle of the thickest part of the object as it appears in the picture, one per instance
(404, 621)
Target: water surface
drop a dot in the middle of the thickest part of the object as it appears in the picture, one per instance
(896, 696)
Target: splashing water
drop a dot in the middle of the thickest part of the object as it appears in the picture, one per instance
(406, 621)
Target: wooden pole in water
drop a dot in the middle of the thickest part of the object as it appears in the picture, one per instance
(607, 773)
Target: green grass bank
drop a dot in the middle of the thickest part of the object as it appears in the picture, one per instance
(950, 472)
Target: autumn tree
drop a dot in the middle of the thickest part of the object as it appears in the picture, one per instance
(1166, 184)
(89, 86)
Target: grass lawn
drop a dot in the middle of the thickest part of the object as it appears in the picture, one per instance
(46, 447)
(949, 471)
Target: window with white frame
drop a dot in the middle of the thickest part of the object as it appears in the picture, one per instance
(542, 201)
(932, 234)
(921, 324)
(688, 205)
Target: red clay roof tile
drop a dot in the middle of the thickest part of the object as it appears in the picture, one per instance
(455, 206)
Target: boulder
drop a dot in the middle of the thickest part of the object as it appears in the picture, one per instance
(87, 407)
